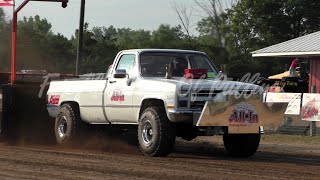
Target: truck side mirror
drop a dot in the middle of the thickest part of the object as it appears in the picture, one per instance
(120, 73)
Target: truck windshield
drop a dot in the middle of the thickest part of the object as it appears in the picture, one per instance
(154, 64)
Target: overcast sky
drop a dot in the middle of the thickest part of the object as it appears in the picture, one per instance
(135, 14)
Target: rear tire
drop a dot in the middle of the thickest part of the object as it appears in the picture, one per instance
(241, 145)
(156, 133)
(68, 124)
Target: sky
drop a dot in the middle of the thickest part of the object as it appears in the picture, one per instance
(134, 14)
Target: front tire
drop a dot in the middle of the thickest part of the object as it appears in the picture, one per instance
(241, 145)
(68, 124)
(156, 133)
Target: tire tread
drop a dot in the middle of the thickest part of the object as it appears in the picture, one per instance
(166, 141)
(72, 110)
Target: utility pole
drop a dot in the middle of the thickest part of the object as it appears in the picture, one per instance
(80, 35)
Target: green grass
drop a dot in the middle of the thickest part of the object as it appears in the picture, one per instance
(291, 139)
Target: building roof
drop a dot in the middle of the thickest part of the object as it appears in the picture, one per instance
(308, 45)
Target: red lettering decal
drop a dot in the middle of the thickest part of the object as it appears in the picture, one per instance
(117, 95)
(243, 117)
(54, 99)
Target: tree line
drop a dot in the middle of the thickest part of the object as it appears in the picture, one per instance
(227, 33)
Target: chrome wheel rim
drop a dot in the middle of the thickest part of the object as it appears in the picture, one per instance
(147, 133)
(62, 127)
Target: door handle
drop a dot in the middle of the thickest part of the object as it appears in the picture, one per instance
(111, 82)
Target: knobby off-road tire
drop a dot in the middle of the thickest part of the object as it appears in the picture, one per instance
(156, 133)
(68, 125)
(241, 145)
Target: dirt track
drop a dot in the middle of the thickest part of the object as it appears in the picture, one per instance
(192, 160)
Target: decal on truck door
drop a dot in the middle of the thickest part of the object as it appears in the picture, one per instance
(117, 95)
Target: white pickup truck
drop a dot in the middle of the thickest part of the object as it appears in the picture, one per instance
(155, 91)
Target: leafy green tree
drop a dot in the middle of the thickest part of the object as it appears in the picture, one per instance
(132, 39)
(5, 42)
(106, 48)
(59, 52)
(39, 48)
(87, 63)
(212, 38)
(167, 37)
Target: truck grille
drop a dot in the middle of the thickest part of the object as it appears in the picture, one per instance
(197, 105)
(199, 98)
(204, 94)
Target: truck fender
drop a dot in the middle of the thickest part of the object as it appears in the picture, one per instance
(70, 102)
(147, 102)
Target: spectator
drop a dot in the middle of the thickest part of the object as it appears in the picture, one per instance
(180, 64)
(293, 67)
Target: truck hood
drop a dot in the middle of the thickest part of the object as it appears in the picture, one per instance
(204, 84)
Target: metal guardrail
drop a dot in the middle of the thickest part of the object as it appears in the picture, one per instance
(299, 130)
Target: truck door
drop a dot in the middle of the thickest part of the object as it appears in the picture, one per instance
(119, 91)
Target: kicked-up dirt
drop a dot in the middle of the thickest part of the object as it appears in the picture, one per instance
(203, 158)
